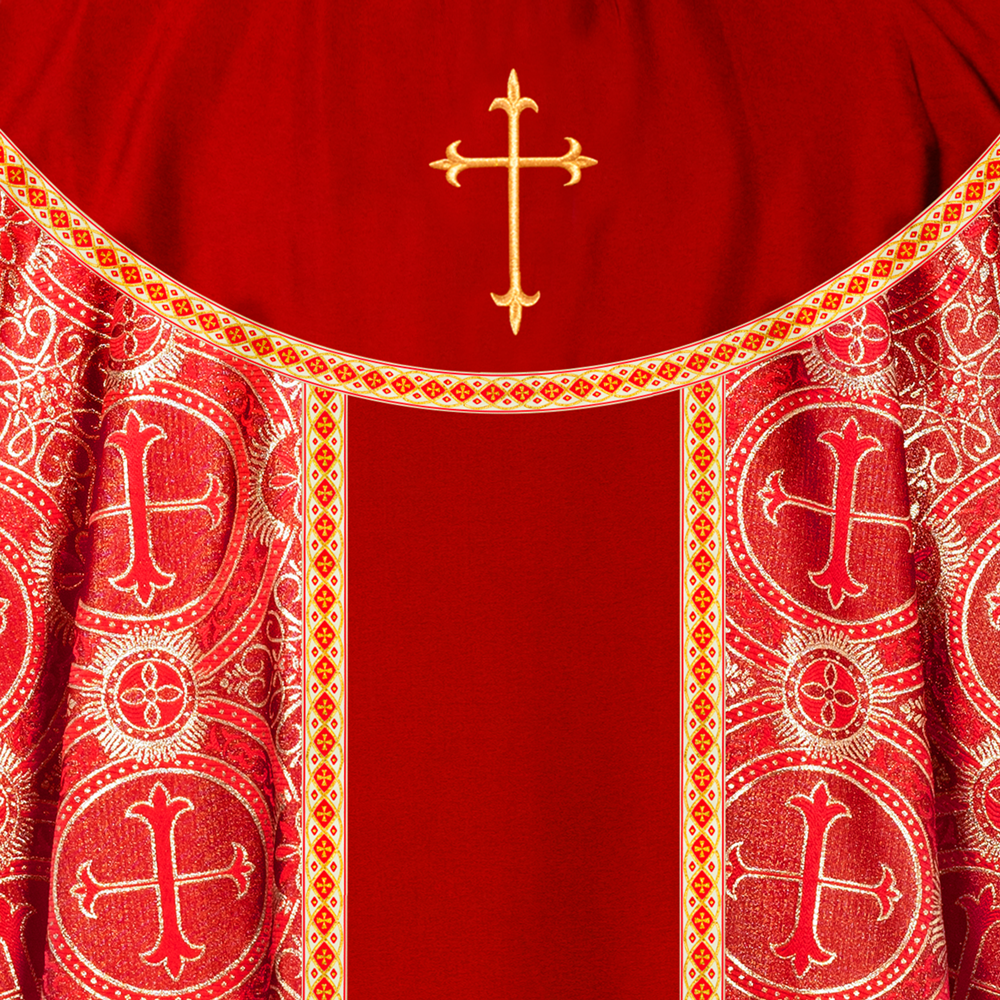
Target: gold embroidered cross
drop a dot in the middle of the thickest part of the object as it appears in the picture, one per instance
(455, 163)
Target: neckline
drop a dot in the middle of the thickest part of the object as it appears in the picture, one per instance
(500, 392)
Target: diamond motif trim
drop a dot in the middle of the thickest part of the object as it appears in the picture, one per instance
(618, 382)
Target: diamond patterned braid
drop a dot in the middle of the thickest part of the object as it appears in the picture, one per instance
(324, 862)
(908, 249)
(702, 713)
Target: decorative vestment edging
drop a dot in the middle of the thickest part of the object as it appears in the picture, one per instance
(702, 740)
(498, 393)
(326, 717)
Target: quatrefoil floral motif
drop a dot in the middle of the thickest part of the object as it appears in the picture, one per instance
(830, 695)
(150, 694)
(828, 690)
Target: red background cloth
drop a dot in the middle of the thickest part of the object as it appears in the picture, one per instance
(275, 158)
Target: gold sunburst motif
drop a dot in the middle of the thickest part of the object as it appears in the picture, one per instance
(739, 679)
(46, 254)
(16, 802)
(939, 552)
(854, 354)
(861, 384)
(146, 698)
(276, 496)
(978, 786)
(142, 348)
(826, 688)
(58, 556)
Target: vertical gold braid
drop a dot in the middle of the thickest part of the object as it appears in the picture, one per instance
(324, 882)
(703, 635)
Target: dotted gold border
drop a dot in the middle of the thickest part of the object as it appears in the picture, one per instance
(324, 876)
(702, 631)
(497, 393)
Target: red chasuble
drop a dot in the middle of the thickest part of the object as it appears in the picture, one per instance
(499, 664)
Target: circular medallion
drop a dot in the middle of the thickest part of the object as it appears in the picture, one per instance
(184, 912)
(169, 512)
(827, 694)
(829, 880)
(146, 700)
(150, 694)
(816, 475)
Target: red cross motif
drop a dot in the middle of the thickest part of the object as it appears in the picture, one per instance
(160, 813)
(849, 449)
(980, 916)
(803, 946)
(143, 576)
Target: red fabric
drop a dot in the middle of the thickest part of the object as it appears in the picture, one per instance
(277, 161)
(513, 782)
(275, 158)
(862, 597)
(151, 765)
